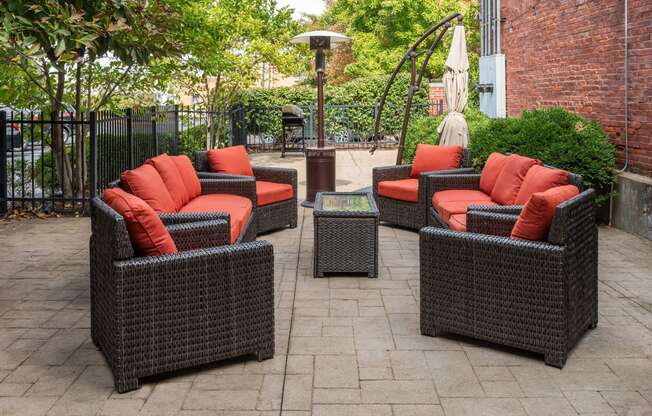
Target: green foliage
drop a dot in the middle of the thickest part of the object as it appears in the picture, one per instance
(226, 43)
(424, 130)
(555, 136)
(192, 140)
(349, 107)
(382, 31)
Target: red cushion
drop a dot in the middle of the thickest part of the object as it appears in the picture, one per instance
(457, 222)
(402, 189)
(166, 167)
(536, 217)
(188, 174)
(147, 184)
(238, 207)
(430, 157)
(491, 170)
(146, 230)
(510, 179)
(271, 192)
(540, 179)
(232, 160)
(457, 201)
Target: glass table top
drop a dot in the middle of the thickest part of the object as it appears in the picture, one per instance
(345, 202)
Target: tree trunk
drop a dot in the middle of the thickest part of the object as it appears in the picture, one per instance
(80, 160)
(61, 160)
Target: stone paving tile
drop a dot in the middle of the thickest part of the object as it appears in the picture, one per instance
(354, 343)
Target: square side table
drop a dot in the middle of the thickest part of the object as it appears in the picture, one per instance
(346, 233)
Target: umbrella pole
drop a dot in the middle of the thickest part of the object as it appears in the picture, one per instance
(408, 107)
(445, 24)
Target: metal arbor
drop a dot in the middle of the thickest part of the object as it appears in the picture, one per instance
(415, 80)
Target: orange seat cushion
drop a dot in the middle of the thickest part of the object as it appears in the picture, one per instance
(166, 167)
(188, 174)
(457, 222)
(495, 163)
(271, 192)
(402, 189)
(146, 230)
(510, 179)
(146, 183)
(457, 201)
(238, 207)
(540, 179)
(232, 160)
(536, 217)
(429, 157)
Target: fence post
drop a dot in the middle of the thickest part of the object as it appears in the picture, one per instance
(93, 154)
(152, 111)
(175, 140)
(3, 163)
(130, 139)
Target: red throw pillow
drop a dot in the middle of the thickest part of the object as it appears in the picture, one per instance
(536, 217)
(430, 157)
(146, 230)
(232, 160)
(495, 163)
(510, 179)
(166, 167)
(147, 184)
(188, 174)
(540, 179)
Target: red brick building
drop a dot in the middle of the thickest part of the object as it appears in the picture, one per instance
(571, 53)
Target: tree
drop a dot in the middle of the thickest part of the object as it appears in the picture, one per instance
(53, 42)
(226, 42)
(383, 30)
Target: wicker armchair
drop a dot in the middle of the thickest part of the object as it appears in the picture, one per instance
(536, 296)
(268, 217)
(208, 302)
(411, 215)
(241, 186)
(471, 181)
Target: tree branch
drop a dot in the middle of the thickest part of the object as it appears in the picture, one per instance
(109, 92)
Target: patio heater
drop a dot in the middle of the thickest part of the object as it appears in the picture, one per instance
(320, 160)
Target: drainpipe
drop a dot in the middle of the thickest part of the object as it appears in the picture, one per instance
(626, 89)
(626, 107)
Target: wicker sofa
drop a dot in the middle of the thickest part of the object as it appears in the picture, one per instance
(467, 181)
(408, 214)
(536, 296)
(270, 216)
(208, 302)
(241, 187)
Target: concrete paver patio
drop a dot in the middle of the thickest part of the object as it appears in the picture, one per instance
(344, 345)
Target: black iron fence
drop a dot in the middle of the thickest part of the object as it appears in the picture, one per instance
(57, 163)
(346, 126)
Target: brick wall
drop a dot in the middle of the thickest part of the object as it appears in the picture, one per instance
(570, 53)
(437, 95)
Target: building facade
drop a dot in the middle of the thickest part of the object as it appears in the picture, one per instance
(572, 53)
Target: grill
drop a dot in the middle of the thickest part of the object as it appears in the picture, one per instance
(293, 123)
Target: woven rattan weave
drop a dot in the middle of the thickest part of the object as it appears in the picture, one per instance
(208, 302)
(346, 240)
(536, 296)
(268, 217)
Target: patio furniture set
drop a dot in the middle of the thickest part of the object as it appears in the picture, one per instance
(177, 279)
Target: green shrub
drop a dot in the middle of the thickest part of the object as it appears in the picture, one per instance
(349, 106)
(424, 130)
(555, 136)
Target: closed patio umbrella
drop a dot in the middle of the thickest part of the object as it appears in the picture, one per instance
(454, 130)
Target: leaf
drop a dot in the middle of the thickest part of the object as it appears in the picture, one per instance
(60, 48)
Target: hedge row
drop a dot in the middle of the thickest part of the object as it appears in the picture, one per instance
(555, 136)
(349, 106)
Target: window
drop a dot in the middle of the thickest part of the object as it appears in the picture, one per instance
(490, 27)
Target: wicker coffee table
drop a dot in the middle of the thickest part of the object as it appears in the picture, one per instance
(346, 233)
